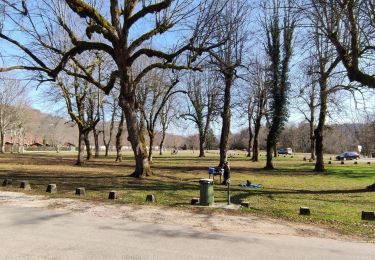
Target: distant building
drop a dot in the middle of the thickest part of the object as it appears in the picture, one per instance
(36, 144)
(67, 144)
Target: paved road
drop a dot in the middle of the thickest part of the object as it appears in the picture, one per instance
(38, 233)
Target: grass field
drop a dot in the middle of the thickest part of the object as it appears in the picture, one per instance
(335, 198)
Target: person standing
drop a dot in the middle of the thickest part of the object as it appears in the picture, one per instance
(226, 172)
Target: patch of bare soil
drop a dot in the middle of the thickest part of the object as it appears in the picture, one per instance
(165, 215)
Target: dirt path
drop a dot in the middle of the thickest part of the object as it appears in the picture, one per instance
(170, 216)
(36, 227)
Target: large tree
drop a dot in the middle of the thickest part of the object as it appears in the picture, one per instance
(307, 98)
(167, 114)
(113, 28)
(202, 96)
(154, 92)
(350, 28)
(279, 26)
(76, 94)
(259, 93)
(109, 107)
(228, 58)
(327, 61)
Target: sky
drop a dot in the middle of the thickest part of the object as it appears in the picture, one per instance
(37, 100)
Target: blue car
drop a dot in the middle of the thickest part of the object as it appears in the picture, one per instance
(347, 156)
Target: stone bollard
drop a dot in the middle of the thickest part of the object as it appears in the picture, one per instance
(304, 211)
(194, 201)
(51, 188)
(368, 215)
(245, 204)
(7, 182)
(329, 162)
(112, 195)
(80, 191)
(150, 198)
(25, 185)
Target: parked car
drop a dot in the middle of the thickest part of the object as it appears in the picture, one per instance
(285, 151)
(347, 156)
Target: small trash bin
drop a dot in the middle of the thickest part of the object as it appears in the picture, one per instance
(206, 192)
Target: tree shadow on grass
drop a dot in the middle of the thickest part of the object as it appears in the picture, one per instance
(302, 171)
(356, 174)
(98, 182)
(239, 196)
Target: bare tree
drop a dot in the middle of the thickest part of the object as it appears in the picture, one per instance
(258, 97)
(349, 26)
(112, 104)
(327, 61)
(308, 95)
(250, 115)
(167, 114)
(12, 95)
(155, 92)
(93, 110)
(111, 28)
(76, 94)
(202, 94)
(228, 58)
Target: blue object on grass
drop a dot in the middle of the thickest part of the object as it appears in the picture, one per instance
(251, 185)
(211, 170)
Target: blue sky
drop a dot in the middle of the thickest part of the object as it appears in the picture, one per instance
(164, 41)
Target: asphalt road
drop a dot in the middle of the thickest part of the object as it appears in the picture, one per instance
(39, 233)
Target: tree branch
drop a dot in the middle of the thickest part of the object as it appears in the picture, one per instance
(154, 8)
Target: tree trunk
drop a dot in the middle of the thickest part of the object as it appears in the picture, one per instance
(20, 141)
(11, 141)
(269, 164)
(2, 142)
(161, 146)
(255, 143)
(226, 117)
(251, 135)
(319, 164)
(87, 143)
(201, 149)
(255, 157)
(275, 151)
(81, 147)
(311, 124)
(119, 138)
(106, 150)
(312, 141)
(202, 140)
(151, 136)
(136, 136)
(272, 139)
(96, 141)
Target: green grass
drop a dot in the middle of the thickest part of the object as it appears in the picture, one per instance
(336, 198)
